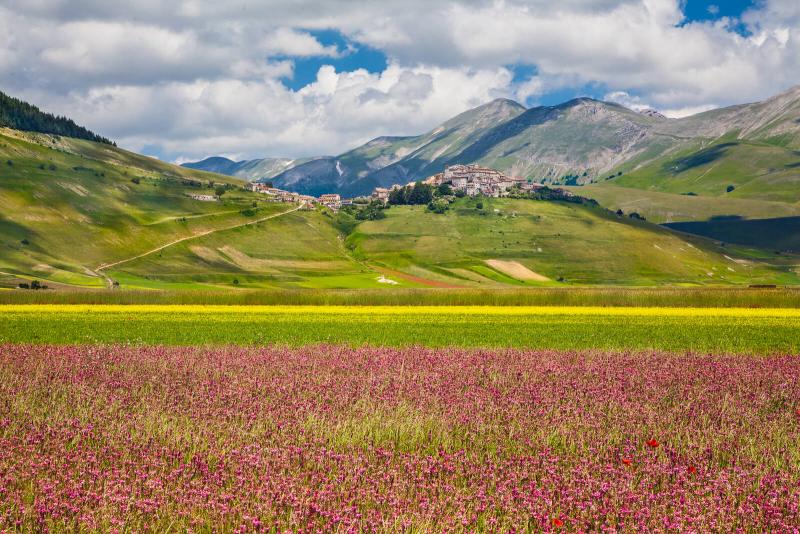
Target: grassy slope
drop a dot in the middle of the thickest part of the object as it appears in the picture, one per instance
(782, 234)
(660, 207)
(766, 178)
(582, 245)
(757, 170)
(301, 249)
(75, 204)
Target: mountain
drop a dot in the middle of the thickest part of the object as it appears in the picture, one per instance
(251, 170)
(19, 115)
(752, 147)
(388, 160)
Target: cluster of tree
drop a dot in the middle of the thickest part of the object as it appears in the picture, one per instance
(416, 194)
(19, 115)
(35, 284)
(547, 193)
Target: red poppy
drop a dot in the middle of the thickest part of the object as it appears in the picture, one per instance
(652, 443)
(557, 522)
(626, 461)
(797, 411)
(692, 469)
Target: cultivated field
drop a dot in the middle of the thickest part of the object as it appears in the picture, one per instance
(740, 330)
(400, 410)
(336, 439)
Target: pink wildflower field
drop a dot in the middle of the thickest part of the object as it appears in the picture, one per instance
(333, 438)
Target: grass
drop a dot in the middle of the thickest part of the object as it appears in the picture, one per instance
(705, 297)
(566, 243)
(663, 207)
(737, 330)
(70, 205)
(778, 234)
(757, 170)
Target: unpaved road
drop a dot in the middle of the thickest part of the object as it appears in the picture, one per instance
(104, 266)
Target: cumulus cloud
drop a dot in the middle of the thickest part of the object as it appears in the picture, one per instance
(289, 42)
(196, 77)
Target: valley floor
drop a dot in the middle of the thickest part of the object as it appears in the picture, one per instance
(733, 330)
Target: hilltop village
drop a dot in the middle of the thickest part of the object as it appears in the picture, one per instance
(458, 180)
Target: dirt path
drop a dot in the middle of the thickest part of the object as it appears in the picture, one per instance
(101, 268)
(197, 216)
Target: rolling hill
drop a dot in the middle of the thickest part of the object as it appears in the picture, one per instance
(82, 213)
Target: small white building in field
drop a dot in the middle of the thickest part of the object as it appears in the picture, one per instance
(204, 198)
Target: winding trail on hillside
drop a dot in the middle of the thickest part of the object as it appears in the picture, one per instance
(105, 266)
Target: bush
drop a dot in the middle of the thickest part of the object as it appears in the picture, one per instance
(135, 181)
(730, 188)
(248, 212)
(438, 206)
(479, 206)
(25, 241)
(9, 163)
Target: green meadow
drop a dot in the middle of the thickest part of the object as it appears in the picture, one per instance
(733, 330)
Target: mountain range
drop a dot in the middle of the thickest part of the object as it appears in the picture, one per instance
(579, 142)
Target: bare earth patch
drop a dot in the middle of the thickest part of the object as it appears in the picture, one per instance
(516, 270)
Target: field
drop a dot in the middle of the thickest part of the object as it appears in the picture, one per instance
(336, 439)
(738, 330)
(567, 244)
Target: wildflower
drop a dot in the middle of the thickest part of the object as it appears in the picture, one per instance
(692, 469)
(652, 443)
(626, 461)
(557, 522)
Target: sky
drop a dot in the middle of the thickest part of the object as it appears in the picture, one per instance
(185, 79)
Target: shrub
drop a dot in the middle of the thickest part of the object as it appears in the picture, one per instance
(135, 181)
(730, 188)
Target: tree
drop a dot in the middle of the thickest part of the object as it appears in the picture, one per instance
(444, 190)
(397, 196)
(220, 190)
(19, 115)
(420, 194)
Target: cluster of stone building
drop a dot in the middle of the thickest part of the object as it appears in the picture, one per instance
(332, 201)
(473, 180)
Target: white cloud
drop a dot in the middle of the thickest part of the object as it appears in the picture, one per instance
(262, 117)
(289, 42)
(197, 77)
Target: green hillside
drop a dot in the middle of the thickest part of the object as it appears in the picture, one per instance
(660, 207)
(301, 249)
(565, 243)
(76, 213)
(70, 205)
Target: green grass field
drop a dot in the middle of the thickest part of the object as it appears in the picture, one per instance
(733, 330)
(663, 207)
(566, 243)
(690, 297)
